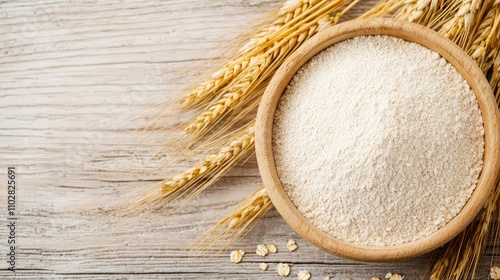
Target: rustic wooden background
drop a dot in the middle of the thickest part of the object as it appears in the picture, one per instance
(79, 80)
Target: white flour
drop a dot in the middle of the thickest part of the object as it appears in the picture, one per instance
(378, 141)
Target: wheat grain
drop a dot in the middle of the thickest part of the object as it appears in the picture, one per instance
(481, 47)
(495, 272)
(237, 223)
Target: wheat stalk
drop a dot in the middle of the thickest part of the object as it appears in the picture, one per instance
(211, 87)
(189, 183)
(263, 67)
(237, 223)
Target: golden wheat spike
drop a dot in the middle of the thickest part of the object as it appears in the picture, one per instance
(228, 100)
(288, 11)
(211, 87)
(237, 223)
(189, 183)
(482, 45)
(417, 11)
(458, 27)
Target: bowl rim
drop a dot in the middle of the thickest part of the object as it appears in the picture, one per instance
(413, 33)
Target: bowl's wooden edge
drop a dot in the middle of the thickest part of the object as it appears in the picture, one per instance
(411, 32)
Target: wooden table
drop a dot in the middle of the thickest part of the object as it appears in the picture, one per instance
(79, 81)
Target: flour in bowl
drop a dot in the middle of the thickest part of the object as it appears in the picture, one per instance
(378, 141)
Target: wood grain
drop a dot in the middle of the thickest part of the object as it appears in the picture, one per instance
(465, 65)
(79, 80)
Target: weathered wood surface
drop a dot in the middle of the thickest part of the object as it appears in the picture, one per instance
(78, 80)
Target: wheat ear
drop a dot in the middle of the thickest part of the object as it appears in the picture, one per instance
(261, 68)
(291, 9)
(210, 88)
(237, 223)
(239, 91)
(458, 27)
(485, 35)
(418, 11)
(189, 183)
(383, 8)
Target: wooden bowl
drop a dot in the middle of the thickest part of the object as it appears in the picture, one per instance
(410, 32)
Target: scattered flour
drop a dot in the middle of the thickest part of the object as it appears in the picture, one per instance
(378, 141)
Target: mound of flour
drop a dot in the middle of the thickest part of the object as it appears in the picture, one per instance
(378, 141)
